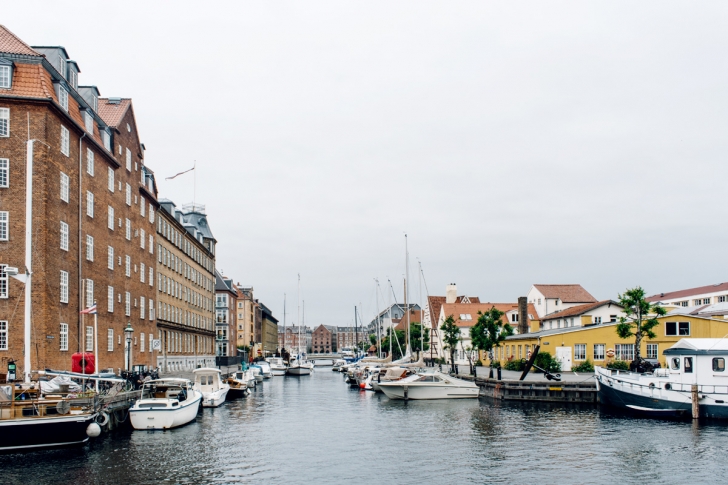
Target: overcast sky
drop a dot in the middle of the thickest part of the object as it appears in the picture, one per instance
(514, 142)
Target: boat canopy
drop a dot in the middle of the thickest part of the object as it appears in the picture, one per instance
(699, 346)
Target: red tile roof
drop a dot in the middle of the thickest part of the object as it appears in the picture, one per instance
(457, 309)
(566, 293)
(436, 303)
(415, 316)
(112, 114)
(11, 44)
(30, 80)
(688, 293)
(579, 310)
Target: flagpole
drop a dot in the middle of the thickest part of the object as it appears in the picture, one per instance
(96, 343)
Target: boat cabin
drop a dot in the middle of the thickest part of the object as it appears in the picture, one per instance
(165, 389)
(698, 361)
(208, 379)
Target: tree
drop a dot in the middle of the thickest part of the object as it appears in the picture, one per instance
(416, 337)
(450, 336)
(641, 318)
(373, 339)
(490, 331)
(397, 344)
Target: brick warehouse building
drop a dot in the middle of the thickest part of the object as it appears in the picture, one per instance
(93, 213)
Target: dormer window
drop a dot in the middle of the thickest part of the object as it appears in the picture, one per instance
(63, 97)
(106, 136)
(72, 78)
(6, 74)
(88, 120)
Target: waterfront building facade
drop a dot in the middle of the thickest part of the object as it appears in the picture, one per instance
(246, 311)
(607, 311)
(322, 340)
(294, 338)
(185, 287)
(93, 206)
(703, 295)
(270, 331)
(225, 316)
(549, 299)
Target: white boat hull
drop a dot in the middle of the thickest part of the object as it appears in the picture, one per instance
(413, 391)
(215, 399)
(278, 371)
(298, 371)
(165, 418)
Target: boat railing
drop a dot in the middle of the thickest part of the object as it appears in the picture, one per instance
(667, 386)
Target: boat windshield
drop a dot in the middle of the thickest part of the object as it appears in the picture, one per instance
(163, 390)
(429, 378)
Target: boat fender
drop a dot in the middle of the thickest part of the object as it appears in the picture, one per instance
(652, 385)
(668, 386)
(102, 419)
(93, 430)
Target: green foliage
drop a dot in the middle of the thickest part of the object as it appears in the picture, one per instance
(489, 331)
(479, 363)
(585, 366)
(450, 336)
(547, 362)
(618, 365)
(640, 320)
(515, 364)
(416, 335)
(495, 364)
(397, 336)
(373, 339)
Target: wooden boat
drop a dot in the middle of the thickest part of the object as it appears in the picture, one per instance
(238, 385)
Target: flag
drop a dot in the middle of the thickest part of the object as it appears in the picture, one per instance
(170, 178)
(90, 310)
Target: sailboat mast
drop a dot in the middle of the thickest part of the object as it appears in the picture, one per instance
(406, 277)
(379, 323)
(298, 311)
(284, 325)
(356, 334)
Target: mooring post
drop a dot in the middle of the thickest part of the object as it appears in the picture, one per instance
(696, 406)
(499, 373)
(405, 393)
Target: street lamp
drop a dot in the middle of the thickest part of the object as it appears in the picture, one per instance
(128, 331)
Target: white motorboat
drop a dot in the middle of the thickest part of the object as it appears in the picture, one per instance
(430, 385)
(265, 369)
(238, 385)
(208, 381)
(337, 365)
(299, 367)
(277, 366)
(257, 372)
(165, 404)
(668, 392)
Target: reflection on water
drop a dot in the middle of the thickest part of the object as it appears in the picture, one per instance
(315, 429)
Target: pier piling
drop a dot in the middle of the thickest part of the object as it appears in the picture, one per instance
(695, 397)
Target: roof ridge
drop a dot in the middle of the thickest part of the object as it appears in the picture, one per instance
(18, 39)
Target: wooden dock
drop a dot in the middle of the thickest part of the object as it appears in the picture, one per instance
(566, 392)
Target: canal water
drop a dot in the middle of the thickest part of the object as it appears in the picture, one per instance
(314, 429)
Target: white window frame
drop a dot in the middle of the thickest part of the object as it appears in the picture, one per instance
(65, 187)
(151, 309)
(3, 282)
(109, 300)
(151, 276)
(111, 180)
(110, 218)
(4, 122)
(6, 78)
(64, 236)
(90, 168)
(89, 293)
(601, 348)
(4, 225)
(677, 329)
(128, 195)
(128, 230)
(89, 338)
(63, 337)
(106, 137)
(127, 266)
(142, 308)
(65, 141)
(90, 204)
(110, 258)
(142, 206)
(142, 272)
(151, 244)
(579, 351)
(142, 238)
(141, 339)
(63, 97)
(64, 286)
(4, 335)
(5, 173)
(89, 247)
(110, 340)
(127, 304)
(88, 121)
(128, 160)
(151, 214)
(652, 355)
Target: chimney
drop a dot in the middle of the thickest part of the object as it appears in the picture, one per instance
(451, 293)
(522, 315)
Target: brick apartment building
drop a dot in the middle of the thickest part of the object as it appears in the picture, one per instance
(93, 214)
(293, 338)
(185, 287)
(322, 340)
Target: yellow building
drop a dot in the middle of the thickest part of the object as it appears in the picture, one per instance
(601, 344)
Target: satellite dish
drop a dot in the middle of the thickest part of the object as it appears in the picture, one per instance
(63, 407)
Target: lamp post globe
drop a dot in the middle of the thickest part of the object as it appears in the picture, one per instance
(128, 331)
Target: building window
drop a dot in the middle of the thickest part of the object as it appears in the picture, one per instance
(65, 141)
(599, 351)
(89, 293)
(624, 352)
(5, 77)
(142, 272)
(65, 187)
(580, 352)
(142, 206)
(89, 247)
(3, 335)
(4, 122)
(141, 340)
(89, 339)
(89, 162)
(110, 258)
(63, 98)
(3, 281)
(110, 217)
(151, 214)
(151, 276)
(89, 204)
(111, 179)
(64, 286)
(677, 328)
(706, 301)
(142, 237)
(88, 121)
(107, 139)
(110, 299)
(722, 299)
(142, 308)
(151, 244)
(4, 226)
(63, 340)
(128, 230)
(127, 304)
(597, 320)
(4, 172)
(127, 271)
(151, 309)
(110, 340)
(128, 194)
(128, 160)
(652, 351)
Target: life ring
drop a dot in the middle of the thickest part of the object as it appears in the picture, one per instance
(104, 418)
(652, 385)
(668, 386)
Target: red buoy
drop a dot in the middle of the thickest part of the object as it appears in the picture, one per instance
(83, 363)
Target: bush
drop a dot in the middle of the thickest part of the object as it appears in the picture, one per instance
(479, 363)
(618, 365)
(585, 366)
(495, 364)
(515, 364)
(545, 361)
